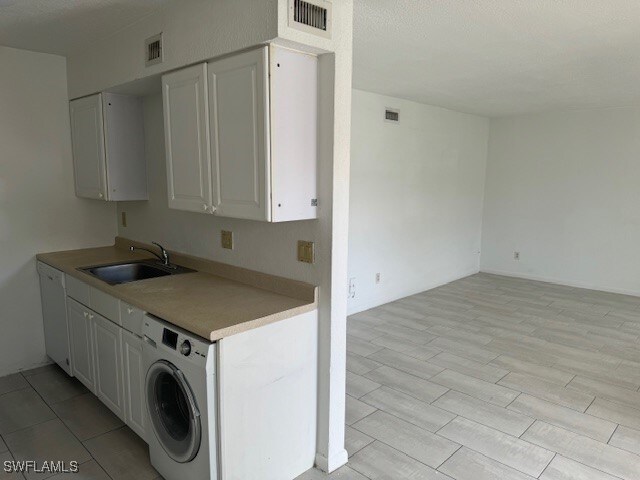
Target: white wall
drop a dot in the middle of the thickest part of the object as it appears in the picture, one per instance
(38, 208)
(261, 246)
(193, 31)
(563, 189)
(416, 197)
(335, 80)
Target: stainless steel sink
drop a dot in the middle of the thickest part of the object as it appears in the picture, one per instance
(133, 271)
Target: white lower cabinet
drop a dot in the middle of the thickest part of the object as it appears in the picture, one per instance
(134, 376)
(109, 356)
(107, 344)
(81, 343)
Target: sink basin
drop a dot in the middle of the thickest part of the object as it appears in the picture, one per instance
(133, 271)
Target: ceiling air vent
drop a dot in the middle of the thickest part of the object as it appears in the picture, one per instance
(311, 16)
(392, 115)
(153, 50)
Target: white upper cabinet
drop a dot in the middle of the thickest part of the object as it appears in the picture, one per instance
(107, 132)
(294, 134)
(260, 112)
(186, 129)
(239, 122)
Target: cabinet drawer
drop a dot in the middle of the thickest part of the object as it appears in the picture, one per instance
(51, 273)
(105, 305)
(78, 290)
(131, 318)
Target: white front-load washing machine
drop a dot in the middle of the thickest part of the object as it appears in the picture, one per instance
(181, 401)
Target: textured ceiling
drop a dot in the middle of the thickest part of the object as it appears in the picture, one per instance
(500, 57)
(63, 26)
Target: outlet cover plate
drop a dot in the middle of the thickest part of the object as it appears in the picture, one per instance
(226, 238)
(306, 252)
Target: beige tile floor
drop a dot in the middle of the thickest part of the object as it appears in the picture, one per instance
(485, 378)
(494, 378)
(46, 415)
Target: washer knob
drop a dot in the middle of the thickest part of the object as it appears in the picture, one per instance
(185, 348)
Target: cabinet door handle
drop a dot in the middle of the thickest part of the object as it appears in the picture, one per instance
(86, 314)
(129, 310)
(90, 316)
(100, 195)
(212, 209)
(205, 207)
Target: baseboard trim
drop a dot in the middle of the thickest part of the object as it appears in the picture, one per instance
(557, 281)
(11, 371)
(336, 461)
(363, 307)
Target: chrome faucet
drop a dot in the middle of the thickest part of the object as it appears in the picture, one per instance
(163, 256)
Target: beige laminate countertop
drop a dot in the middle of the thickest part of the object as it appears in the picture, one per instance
(217, 301)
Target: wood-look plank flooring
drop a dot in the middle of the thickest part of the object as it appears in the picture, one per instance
(494, 378)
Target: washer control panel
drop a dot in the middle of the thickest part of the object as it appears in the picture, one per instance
(169, 337)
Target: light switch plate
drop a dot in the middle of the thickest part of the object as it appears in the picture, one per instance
(227, 239)
(306, 252)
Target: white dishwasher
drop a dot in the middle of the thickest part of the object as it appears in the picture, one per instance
(54, 313)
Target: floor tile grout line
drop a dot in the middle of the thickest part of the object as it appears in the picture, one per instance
(613, 433)
(349, 455)
(555, 454)
(479, 422)
(450, 421)
(580, 462)
(477, 398)
(63, 423)
(4, 435)
(585, 410)
(511, 402)
(615, 477)
(379, 409)
(407, 455)
(487, 456)
(449, 457)
(17, 390)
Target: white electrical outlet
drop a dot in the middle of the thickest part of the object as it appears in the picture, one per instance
(516, 255)
(378, 278)
(352, 287)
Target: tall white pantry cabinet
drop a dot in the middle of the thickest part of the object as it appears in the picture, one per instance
(241, 135)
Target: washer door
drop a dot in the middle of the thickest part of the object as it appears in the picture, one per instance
(173, 411)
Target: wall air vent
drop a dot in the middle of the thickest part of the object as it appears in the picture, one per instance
(153, 50)
(392, 115)
(311, 16)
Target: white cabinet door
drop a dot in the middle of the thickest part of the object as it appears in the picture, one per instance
(239, 119)
(87, 135)
(107, 344)
(186, 131)
(294, 135)
(81, 344)
(134, 381)
(124, 144)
